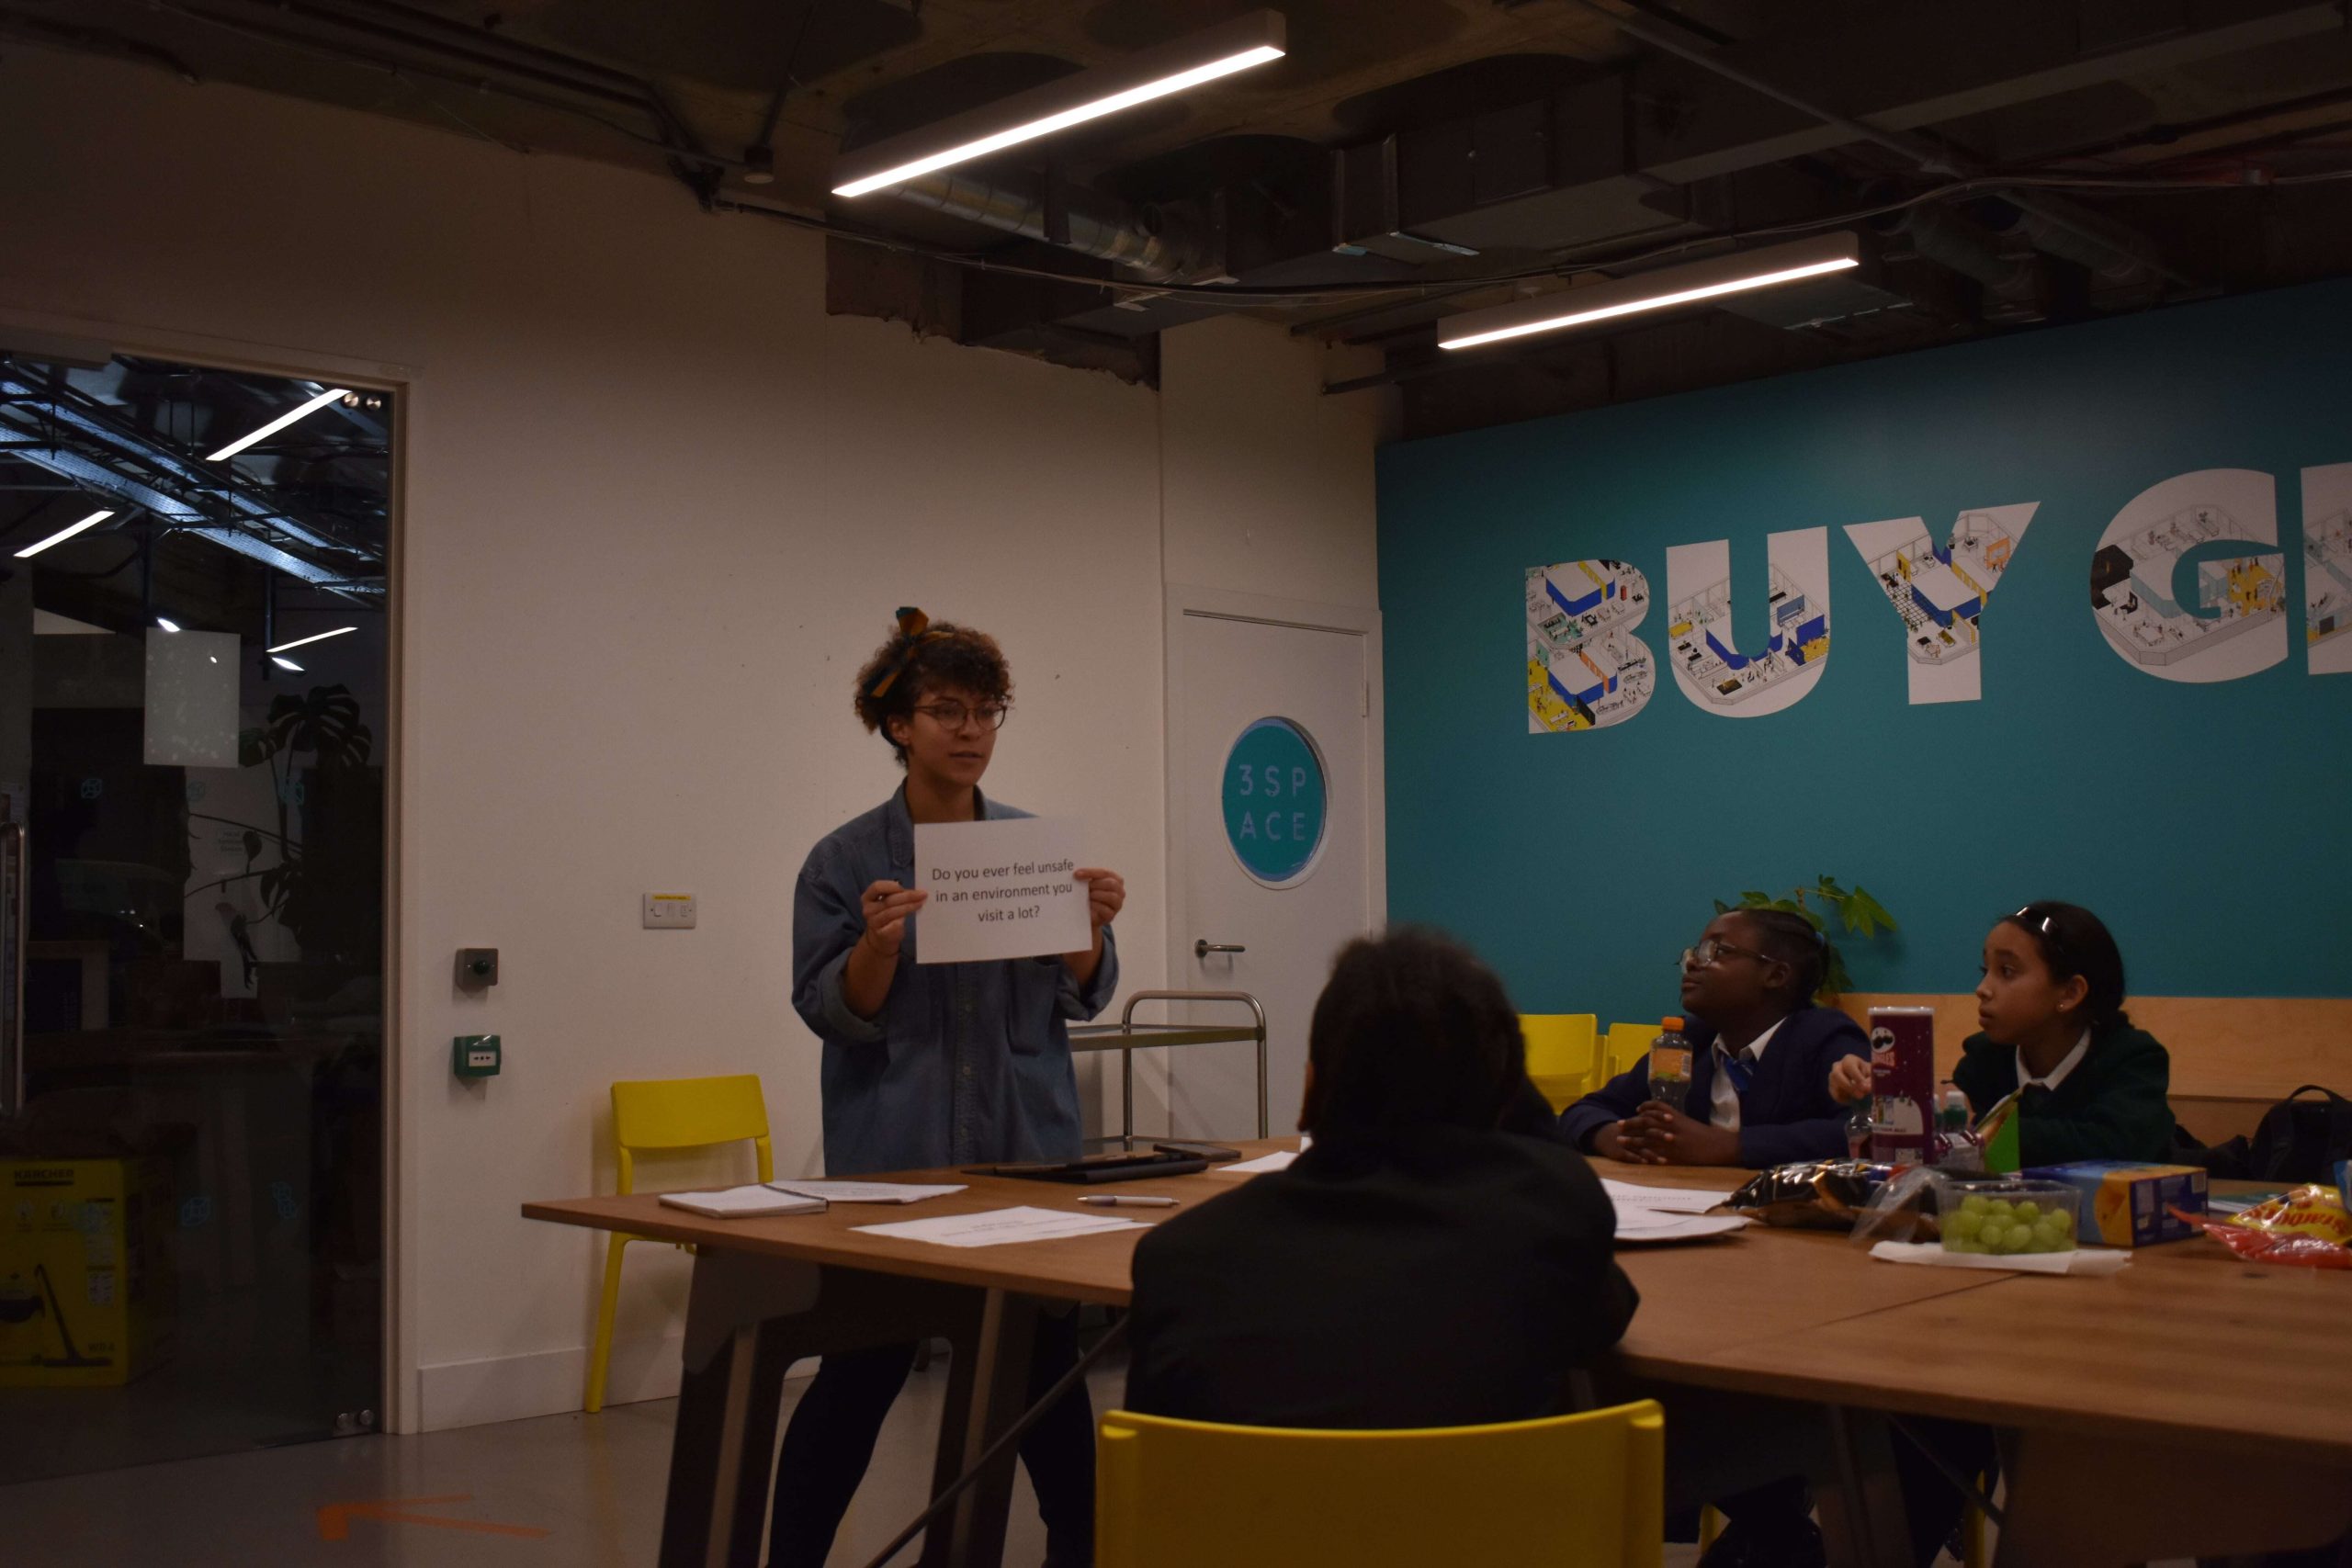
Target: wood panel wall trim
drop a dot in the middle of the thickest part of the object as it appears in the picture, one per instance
(2250, 1049)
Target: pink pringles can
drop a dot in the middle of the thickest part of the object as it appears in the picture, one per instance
(1903, 1084)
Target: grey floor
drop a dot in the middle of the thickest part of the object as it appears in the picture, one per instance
(593, 1484)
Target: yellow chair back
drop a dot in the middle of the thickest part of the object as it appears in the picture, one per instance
(1560, 1052)
(1626, 1044)
(688, 1114)
(669, 1114)
(1571, 1491)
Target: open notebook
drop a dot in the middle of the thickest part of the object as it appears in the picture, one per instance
(743, 1202)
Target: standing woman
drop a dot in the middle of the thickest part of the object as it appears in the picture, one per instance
(935, 1064)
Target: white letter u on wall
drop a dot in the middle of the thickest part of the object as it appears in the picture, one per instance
(1772, 670)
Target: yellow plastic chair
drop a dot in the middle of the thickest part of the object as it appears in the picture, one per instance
(1625, 1044)
(1560, 1048)
(1569, 1492)
(670, 1114)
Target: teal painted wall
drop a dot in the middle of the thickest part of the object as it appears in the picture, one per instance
(2210, 825)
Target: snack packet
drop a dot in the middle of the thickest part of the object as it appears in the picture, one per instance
(1824, 1194)
(2310, 1227)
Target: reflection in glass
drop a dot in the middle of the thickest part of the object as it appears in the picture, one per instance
(190, 1193)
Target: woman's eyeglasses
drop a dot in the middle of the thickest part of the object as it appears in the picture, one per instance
(1709, 949)
(952, 715)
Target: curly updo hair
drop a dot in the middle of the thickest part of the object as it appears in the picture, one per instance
(921, 656)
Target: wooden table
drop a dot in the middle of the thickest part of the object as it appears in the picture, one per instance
(2134, 1409)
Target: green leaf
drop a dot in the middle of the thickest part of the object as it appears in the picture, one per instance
(1877, 910)
(1754, 900)
(1722, 907)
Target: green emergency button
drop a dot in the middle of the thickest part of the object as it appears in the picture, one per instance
(476, 1057)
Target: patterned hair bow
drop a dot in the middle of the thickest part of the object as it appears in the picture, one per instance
(916, 628)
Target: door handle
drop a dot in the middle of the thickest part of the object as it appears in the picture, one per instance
(16, 931)
(1204, 947)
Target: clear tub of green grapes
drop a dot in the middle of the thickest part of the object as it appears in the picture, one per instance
(2009, 1216)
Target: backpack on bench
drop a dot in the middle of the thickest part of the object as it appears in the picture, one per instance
(2298, 1141)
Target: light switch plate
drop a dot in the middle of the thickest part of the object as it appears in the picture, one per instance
(670, 911)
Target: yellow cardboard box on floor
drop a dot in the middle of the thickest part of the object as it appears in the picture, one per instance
(84, 1287)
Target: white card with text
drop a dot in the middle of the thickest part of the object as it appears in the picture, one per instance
(1000, 889)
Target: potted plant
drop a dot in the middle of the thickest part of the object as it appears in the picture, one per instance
(1859, 915)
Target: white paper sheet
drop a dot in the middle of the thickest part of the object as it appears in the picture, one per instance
(1657, 1227)
(998, 890)
(1279, 1160)
(2091, 1261)
(865, 1191)
(999, 1226)
(1631, 1198)
(743, 1202)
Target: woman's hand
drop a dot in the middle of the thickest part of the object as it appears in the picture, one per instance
(1850, 1078)
(874, 960)
(1106, 894)
(886, 906)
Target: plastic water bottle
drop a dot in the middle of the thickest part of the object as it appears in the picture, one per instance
(1857, 1129)
(1670, 1064)
(1959, 1148)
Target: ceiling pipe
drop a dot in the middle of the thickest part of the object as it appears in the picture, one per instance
(2111, 268)
(2017, 287)
(1931, 156)
(1145, 243)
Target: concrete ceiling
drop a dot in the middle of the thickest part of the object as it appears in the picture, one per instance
(1452, 153)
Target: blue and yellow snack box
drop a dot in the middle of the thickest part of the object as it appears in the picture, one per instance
(2127, 1203)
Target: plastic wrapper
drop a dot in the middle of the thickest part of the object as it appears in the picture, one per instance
(1904, 1208)
(1824, 1194)
(2309, 1228)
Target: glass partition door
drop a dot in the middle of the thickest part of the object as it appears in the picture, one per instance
(192, 710)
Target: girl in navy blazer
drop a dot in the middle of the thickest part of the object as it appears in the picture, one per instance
(1760, 1079)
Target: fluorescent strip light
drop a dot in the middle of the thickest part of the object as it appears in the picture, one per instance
(303, 641)
(168, 623)
(92, 520)
(1150, 74)
(280, 423)
(1654, 291)
(286, 664)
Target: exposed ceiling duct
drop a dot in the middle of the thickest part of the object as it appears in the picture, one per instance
(2016, 285)
(2120, 272)
(2112, 242)
(1408, 160)
(1145, 243)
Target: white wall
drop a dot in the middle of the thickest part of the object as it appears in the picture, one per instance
(658, 508)
(1267, 486)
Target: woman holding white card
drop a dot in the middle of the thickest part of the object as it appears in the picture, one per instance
(931, 1066)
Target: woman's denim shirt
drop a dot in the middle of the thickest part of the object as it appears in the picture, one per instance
(966, 1062)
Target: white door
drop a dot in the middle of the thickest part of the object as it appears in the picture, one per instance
(1276, 828)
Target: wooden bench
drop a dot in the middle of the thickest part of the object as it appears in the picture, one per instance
(2233, 1058)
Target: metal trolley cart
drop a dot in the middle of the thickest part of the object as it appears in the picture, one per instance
(1126, 1037)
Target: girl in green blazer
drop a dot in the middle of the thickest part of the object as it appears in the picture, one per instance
(2049, 1016)
(2050, 1012)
